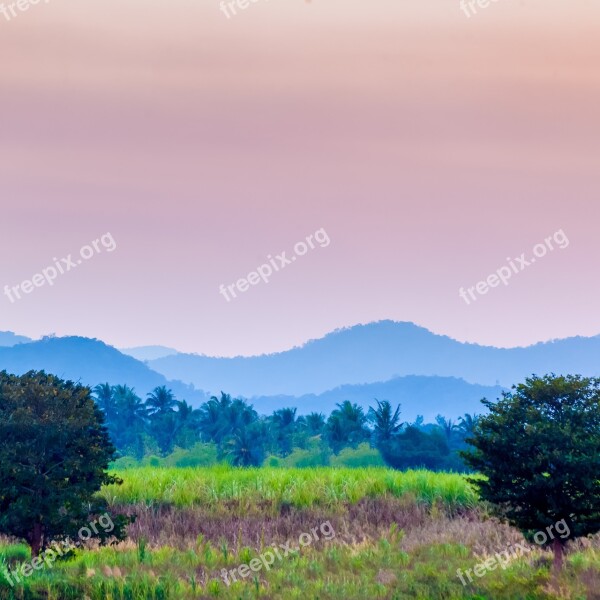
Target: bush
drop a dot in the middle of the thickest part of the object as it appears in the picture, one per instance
(363, 456)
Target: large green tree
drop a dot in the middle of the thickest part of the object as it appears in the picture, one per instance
(54, 455)
(539, 452)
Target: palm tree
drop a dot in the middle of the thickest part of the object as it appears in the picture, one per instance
(313, 424)
(222, 417)
(130, 407)
(386, 424)
(188, 415)
(160, 401)
(104, 397)
(240, 415)
(284, 426)
(346, 426)
(246, 447)
(131, 415)
(352, 413)
(209, 420)
(284, 417)
(468, 423)
(447, 426)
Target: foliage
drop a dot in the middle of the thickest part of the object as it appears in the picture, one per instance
(360, 457)
(415, 447)
(54, 455)
(386, 422)
(539, 450)
(346, 426)
(243, 438)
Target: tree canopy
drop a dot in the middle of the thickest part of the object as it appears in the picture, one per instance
(54, 455)
(539, 452)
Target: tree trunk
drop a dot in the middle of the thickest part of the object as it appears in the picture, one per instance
(558, 548)
(36, 539)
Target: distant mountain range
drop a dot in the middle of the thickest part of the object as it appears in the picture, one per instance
(8, 338)
(90, 362)
(427, 396)
(144, 353)
(400, 362)
(379, 352)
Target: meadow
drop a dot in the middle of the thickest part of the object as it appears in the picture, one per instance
(397, 535)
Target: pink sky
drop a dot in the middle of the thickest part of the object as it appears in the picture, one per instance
(429, 146)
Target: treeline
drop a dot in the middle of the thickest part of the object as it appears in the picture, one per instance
(160, 424)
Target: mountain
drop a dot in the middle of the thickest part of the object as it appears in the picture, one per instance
(418, 395)
(378, 352)
(91, 362)
(8, 338)
(399, 362)
(144, 353)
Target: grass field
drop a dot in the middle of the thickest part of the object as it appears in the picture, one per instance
(300, 488)
(396, 535)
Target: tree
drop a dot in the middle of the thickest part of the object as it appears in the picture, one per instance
(130, 421)
(188, 419)
(539, 452)
(222, 418)
(160, 402)
(283, 423)
(210, 418)
(312, 424)
(448, 426)
(164, 423)
(468, 423)
(106, 400)
(346, 426)
(54, 456)
(414, 448)
(386, 422)
(246, 446)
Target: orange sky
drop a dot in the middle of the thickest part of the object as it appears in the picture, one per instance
(430, 146)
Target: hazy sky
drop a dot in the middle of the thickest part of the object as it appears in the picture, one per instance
(430, 147)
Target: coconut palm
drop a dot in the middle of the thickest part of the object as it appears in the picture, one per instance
(386, 422)
(284, 427)
(131, 415)
(447, 426)
(246, 446)
(468, 423)
(313, 424)
(346, 426)
(160, 401)
(103, 394)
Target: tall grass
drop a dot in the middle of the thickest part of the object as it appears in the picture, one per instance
(301, 488)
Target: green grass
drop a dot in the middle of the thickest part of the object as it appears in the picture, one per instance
(414, 557)
(372, 570)
(301, 488)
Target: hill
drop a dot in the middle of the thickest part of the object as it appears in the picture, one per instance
(427, 396)
(378, 352)
(90, 362)
(145, 353)
(8, 338)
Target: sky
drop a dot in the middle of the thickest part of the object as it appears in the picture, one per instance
(429, 147)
